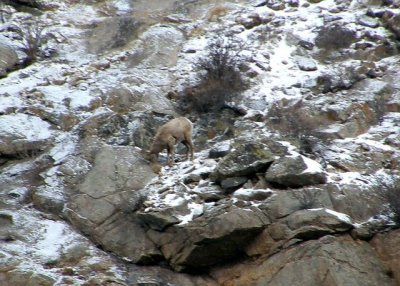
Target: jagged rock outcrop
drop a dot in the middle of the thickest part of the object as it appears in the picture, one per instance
(295, 171)
(8, 57)
(101, 204)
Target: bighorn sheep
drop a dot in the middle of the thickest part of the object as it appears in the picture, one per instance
(168, 135)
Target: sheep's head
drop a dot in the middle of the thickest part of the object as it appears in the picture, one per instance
(156, 168)
(147, 155)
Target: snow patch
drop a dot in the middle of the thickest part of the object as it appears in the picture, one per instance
(54, 238)
(195, 211)
(340, 216)
(313, 167)
(24, 126)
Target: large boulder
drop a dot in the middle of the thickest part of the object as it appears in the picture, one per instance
(296, 171)
(124, 100)
(327, 261)
(359, 201)
(282, 204)
(221, 234)
(298, 226)
(315, 223)
(247, 158)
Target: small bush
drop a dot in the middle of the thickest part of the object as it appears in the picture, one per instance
(222, 62)
(335, 37)
(378, 105)
(5, 13)
(297, 124)
(33, 38)
(308, 199)
(390, 192)
(220, 79)
(205, 97)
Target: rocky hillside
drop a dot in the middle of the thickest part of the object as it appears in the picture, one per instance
(296, 112)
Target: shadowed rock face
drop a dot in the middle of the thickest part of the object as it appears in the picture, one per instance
(327, 261)
(221, 235)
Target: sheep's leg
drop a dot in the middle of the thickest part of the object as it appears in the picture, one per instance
(190, 148)
(187, 149)
(171, 151)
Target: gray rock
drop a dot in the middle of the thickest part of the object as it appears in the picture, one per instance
(233, 182)
(368, 21)
(218, 236)
(252, 194)
(247, 158)
(386, 246)
(23, 135)
(126, 238)
(368, 229)
(160, 46)
(306, 64)
(220, 150)
(282, 204)
(391, 21)
(311, 224)
(8, 56)
(209, 193)
(99, 207)
(112, 32)
(26, 277)
(49, 201)
(357, 200)
(159, 275)
(116, 169)
(158, 220)
(295, 171)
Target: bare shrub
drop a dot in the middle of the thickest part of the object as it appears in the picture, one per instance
(390, 192)
(5, 13)
(335, 37)
(378, 105)
(33, 38)
(207, 96)
(295, 122)
(219, 74)
(307, 198)
(222, 61)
